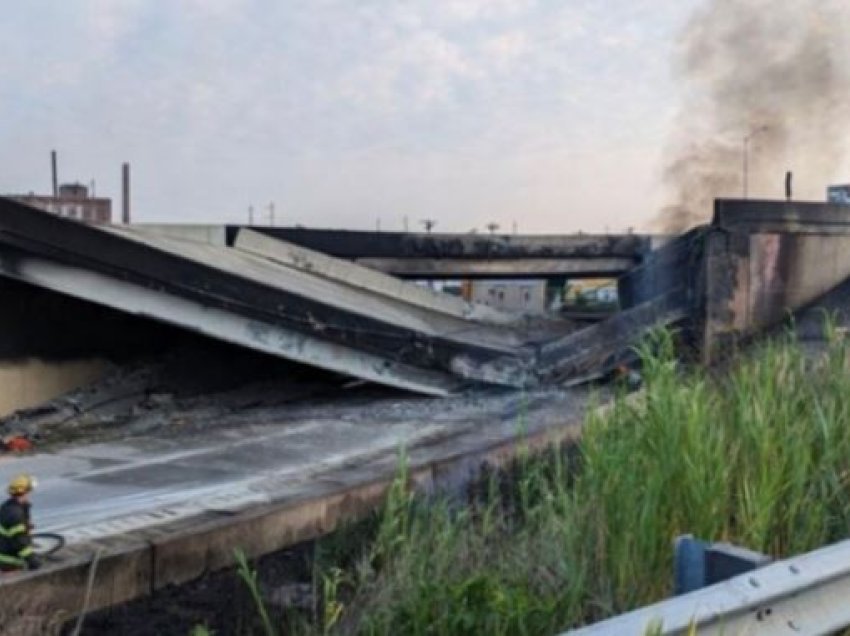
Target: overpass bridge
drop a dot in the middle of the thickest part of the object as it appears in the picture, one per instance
(437, 256)
(172, 503)
(453, 256)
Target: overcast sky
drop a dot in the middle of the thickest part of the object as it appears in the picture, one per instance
(549, 113)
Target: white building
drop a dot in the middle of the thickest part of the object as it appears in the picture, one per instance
(522, 296)
(838, 194)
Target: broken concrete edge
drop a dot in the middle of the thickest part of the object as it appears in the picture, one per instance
(365, 278)
(266, 337)
(139, 563)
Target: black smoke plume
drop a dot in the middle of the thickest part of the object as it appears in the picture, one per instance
(773, 75)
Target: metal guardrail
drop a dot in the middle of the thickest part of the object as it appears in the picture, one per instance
(807, 594)
(699, 564)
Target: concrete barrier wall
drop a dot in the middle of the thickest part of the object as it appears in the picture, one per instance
(26, 383)
(765, 261)
(51, 343)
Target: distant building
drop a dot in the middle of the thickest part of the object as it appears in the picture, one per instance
(71, 201)
(601, 291)
(523, 296)
(838, 194)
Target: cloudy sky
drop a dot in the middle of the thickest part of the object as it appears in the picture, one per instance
(553, 114)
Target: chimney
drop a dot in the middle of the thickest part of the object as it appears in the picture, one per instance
(54, 174)
(125, 193)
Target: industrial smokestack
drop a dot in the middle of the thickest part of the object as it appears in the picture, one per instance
(125, 193)
(53, 173)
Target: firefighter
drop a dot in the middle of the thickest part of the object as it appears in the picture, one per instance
(16, 552)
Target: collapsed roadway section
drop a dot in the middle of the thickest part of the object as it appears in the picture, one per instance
(266, 294)
(165, 506)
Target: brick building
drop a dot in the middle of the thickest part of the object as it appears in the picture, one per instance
(72, 200)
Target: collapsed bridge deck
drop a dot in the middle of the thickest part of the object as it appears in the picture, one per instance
(171, 505)
(265, 294)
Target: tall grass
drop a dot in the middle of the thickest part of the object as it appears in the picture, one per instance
(759, 456)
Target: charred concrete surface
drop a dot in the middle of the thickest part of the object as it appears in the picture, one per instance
(253, 301)
(447, 256)
(500, 268)
(766, 260)
(187, 388)
(757, 261)
(273, 297)
(755, 265)
(672, 269)
(37, 323)
(51, 343)
(166, 508)
(353, 244)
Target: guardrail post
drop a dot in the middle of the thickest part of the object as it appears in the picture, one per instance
(698, 564)
(688, 564)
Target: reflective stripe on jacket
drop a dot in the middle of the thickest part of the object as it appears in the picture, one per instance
(15, 542)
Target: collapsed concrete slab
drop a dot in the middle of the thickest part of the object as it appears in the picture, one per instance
(258, 291)
(389, 333)
(723, 282)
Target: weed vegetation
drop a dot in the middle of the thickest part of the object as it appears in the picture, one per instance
(759, 457)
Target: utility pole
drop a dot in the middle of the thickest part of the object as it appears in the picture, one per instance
(271, 213)
(429, 224)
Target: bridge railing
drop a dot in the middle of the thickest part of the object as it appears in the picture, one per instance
(806, 594)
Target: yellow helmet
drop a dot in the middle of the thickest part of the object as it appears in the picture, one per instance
(21, 485)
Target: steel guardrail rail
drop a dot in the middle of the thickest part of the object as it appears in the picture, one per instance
(806, 594)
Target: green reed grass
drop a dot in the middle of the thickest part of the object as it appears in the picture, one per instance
(758, 455)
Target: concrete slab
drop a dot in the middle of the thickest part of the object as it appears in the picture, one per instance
(356, 327)
(267, 337)
(767, 260)
(461, 268)
(173, 507)
(359, 244)
(334, 291)
(300, 258)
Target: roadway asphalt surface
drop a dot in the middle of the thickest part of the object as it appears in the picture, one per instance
(87, 492)
(105, 489)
